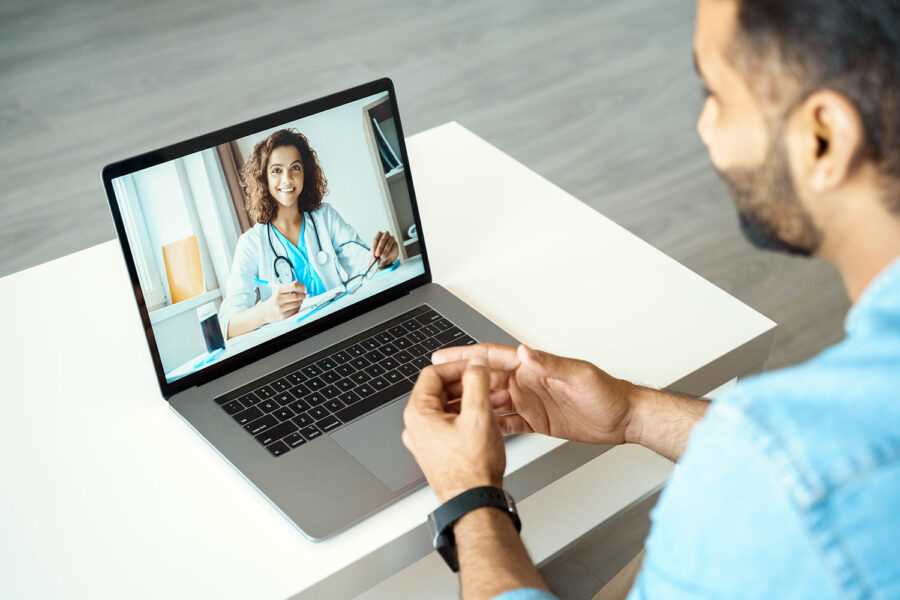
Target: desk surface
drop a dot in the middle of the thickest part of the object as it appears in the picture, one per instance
(107, 493)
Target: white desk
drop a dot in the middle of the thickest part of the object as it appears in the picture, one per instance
(106, 493)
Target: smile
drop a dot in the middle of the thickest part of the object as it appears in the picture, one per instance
(286, 190)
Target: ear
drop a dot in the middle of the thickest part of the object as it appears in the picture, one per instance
(831, 134)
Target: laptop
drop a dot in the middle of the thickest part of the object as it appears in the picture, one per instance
(302, 396)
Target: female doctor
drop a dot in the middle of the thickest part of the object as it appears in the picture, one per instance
(299, 244)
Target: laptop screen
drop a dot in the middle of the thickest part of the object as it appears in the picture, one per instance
(243, 241)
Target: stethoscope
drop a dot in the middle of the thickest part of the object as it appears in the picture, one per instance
(321, 255)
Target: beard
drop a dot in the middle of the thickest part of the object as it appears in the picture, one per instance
(770, 213)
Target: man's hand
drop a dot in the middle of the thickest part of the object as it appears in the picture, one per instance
(458, 447)
(556, 396)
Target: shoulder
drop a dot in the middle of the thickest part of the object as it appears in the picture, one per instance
(250, 239)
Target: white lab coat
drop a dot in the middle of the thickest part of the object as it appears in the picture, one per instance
(253, 258)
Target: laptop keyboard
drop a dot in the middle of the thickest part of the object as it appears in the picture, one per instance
(318, 394)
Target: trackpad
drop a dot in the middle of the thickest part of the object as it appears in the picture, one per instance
(375, 442)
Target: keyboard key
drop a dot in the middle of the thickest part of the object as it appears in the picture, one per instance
(398, 331)
(345, 370)
(299, 391)
(331, 376)
(360, 363)
(418, 350)
(315, 399)
(416, 337)
(370, 344)
(283, 413)
(464, 341)
(443, 324)
(428, 317)
(331, 391)
(278, 448)
(365, 390)
(409, 370)
(430, 330)
(233, 407)
(346, 384)
(276, 433)
(450, 335)
(326, 364)
(315, 384)
(421, 362)
(374, 401)
(402, 343)
(389, 349)
(412, 325)
(318, 413)
(328, 423)
(299, 406)
(374, 356)
(303, 420)
(374, 370)
(296, 378)
(356, 350)
(341, 357)
(284, 399)
(349, 398)
(360, 377)
(334, 405)
(311, 371)
(384, 337)
(389, 364)
(311, 432)
(403, 356)
(379, 383)
(393, 376)
(269, 405)
(431, 344)
(260, 425)
(249, 400)
(280, 385)
(294, 440)
(251, 414)
(265, 392)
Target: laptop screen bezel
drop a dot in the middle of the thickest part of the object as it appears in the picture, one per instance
(228, 134)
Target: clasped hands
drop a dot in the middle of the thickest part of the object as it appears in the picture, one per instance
(471, 396)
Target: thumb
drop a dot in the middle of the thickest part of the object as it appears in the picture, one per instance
(548, 365)
(476, 394)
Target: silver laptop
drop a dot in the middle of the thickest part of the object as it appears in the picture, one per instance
(275, 332)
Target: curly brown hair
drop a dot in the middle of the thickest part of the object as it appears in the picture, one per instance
(260, 204)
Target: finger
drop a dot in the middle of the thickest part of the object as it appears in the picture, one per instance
(476, 393)
(494, 355)
(429, 392)
(501, 401)
(549, 365)
(379, 243)
(513, 424)
(375, 244)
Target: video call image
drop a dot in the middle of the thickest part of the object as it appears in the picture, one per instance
(239, 243)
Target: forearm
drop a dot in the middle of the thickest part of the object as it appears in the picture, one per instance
(492, 558)
(662, 421)
(246, 321)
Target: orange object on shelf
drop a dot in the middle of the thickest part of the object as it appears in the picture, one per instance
(183, 269)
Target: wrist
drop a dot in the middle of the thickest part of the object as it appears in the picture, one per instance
(638, 399)
(454, 489)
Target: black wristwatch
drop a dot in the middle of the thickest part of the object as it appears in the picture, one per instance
(441, 521)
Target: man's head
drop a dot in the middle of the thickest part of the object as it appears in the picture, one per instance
(802, 117)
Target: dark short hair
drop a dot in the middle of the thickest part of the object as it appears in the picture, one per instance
(260, 204)
(849, 46)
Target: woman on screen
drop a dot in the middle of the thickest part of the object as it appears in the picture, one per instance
(299, 246)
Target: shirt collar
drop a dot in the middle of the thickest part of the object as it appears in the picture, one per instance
(884, 290)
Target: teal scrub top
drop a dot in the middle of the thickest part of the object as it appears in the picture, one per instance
(303, 270)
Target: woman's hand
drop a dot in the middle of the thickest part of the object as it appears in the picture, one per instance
(561, 397)
(284, 302)
(385, 247)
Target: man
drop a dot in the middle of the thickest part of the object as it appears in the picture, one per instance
(790, 485)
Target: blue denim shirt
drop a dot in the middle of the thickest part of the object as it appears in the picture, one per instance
(790, 486)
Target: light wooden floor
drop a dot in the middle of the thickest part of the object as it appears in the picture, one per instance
(599, 96)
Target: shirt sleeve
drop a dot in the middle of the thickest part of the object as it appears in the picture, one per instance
(723, 528)
(526, 594)
(351, 250)
(241, 291)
